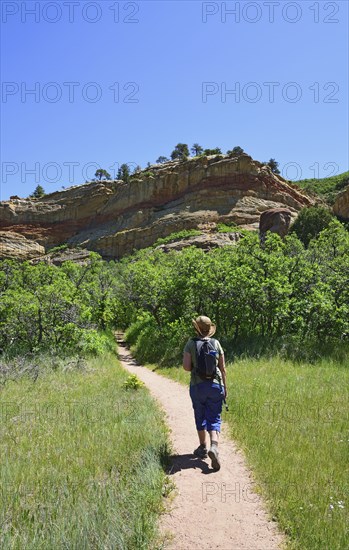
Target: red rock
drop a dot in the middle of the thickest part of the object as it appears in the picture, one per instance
(114, 217)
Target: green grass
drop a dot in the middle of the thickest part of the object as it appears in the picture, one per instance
(81, 461)
(59, 248)
(291, 420)
(327, 188)
(226, 228)
(184, 234)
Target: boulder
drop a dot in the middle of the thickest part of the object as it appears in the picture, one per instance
(276, 220)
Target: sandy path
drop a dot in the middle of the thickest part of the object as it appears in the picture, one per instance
(212, 510)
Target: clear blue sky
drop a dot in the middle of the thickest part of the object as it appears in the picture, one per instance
(173, 64)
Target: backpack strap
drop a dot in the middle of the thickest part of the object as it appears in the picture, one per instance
(199, 342)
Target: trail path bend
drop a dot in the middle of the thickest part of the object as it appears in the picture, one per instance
(212, 510)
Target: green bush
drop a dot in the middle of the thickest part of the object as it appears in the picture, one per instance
(261, 299)
(59, 248)
(184, 234)
(58, 309)
(92, 342)
(154, 344)
(255, 295)
(310, 222)
(132, 383)
(144, 335)
(226, 228)
(327, 188)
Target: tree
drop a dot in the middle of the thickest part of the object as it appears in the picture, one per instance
(124, 173)
(38, 192)
(136, 172)
(215, 151)
(180, 152)
(161, 160)
(196, 150)
(235, 151)
(273, 165)
(310, 222)
(100, 173)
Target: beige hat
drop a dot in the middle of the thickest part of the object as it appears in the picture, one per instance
(204, 326)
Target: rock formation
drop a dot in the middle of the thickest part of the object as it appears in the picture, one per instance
(114, 217)
(16, 246)
(206, 241)
(341, 205)
(276, 220)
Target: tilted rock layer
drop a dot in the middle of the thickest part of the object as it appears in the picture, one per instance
(206, 241)
(16, 246)
(114, 217)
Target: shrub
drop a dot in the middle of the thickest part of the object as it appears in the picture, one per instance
(94, 343)
(226, 228)
(185, 233)
(59, 248)
(132, 383)
(310, 222)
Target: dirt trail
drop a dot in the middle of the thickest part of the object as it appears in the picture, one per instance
(212, 510)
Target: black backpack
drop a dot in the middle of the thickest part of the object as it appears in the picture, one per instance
(206, 358)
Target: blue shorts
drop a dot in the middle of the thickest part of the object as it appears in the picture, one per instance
(207, 399)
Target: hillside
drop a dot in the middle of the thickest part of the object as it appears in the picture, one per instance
(113, 217)
(326, 188)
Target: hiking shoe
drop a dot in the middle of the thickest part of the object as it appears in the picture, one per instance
(214, 456)
(201, 452)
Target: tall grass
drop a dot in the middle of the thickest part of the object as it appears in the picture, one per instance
(292, 421)
(81, 461)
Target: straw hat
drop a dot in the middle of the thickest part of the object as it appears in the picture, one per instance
(204, 326)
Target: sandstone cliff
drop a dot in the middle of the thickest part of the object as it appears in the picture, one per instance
(16, 246)
(341, 205)
(114, 217)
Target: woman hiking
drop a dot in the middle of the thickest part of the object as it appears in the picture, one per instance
(204, 357)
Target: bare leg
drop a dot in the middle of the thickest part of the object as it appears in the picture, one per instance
(202, 437)
(201, 451)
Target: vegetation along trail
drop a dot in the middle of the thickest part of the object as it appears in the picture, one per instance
(211, 509)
